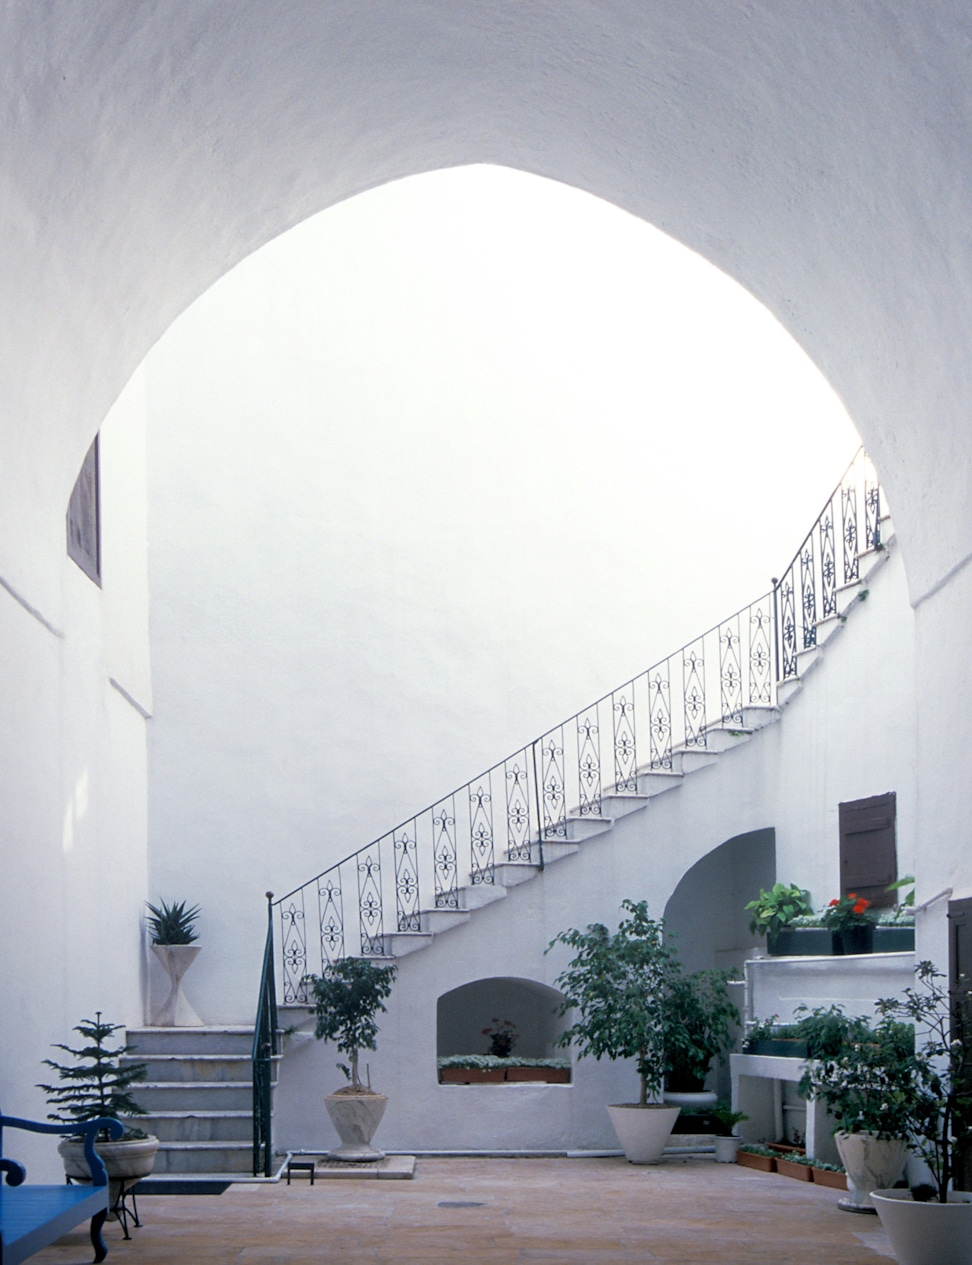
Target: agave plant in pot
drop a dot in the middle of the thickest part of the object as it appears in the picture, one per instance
(870, 1085)
(615, 984)
(932, 1223)
(172, 928)
(347, 999)
(98, 1084)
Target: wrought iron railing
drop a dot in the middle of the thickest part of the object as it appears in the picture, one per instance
(265, 1047)
(525, 803)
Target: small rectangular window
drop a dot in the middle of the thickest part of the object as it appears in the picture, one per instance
(84, 517)
(868, 851)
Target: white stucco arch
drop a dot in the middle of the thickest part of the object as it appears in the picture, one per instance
(817, 154)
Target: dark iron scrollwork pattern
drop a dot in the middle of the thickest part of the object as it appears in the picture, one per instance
(625, 742)
(730, 672)
(589, 764)
(293, 945)
(553, 789)
(481, 834)
(828, 564)
(760, 653)
(787, 630)
(330, 904)
(808, 596)
(407, 904)
(848, 502)
(693, 695)
(445, 860)
(370, 909)
(660, 717)
(872, 514)
(518, 843)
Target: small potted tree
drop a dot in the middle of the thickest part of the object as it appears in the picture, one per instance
(773, 914)
(615, 984)
(347, 999)
(172, 928)
(700, 1023)
(933, 1222)
(96, 1085)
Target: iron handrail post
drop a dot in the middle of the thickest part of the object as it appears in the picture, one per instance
(264, 1049)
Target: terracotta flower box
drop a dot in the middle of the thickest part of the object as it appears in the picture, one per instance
(824, 1177)
(786, 1148)
(790, 1168)
(547, 1075)
(764, 1163)
(472, 1075)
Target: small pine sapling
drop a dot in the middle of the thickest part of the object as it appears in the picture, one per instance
(97, 1084)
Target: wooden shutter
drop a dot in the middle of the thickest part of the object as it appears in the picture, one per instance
(84, 518)
(960, 981)
(868, 853)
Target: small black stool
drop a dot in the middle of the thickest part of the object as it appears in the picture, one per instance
(301, 1166)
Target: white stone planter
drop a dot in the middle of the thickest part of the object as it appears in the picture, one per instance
(694, 1100)
(176, 1012)
(872, 1163)
(643, 1131)
(927, 1233)
(127, 1162)
(726, 1148)
(356, 1117)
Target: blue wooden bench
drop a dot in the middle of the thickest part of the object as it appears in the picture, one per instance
(31, 1217)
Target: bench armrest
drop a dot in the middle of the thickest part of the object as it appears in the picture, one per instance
(89, 1128)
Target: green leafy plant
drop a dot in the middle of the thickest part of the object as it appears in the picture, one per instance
(347, 999)
(776, 908)
(700, 1025)
(941, 1106)
(727, 1118)
(172, 924)
(486, 1061)
(909, 898)
(96, 1084)
(616, 983)
(828, 1032)
(756, 1148)
(872, 1083)
(845, 912)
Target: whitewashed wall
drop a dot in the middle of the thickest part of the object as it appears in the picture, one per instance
(73, 761)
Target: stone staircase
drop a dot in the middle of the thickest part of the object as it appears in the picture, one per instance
(199, 1096)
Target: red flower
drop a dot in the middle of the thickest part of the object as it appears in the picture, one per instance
(861, 905)
(835, 902)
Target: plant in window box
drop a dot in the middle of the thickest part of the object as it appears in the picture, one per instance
(615, 984)
(347, 1000)
(851, 925)
(934, 1223)
(503, 1036)
(773, 914)
(98, 1084)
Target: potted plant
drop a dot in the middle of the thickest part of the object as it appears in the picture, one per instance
(934, 1222)
(347, 999)
(870, 1087)
(850, 924)
(172, 928)
(773, 913)
(503, 1036)
(97, 1085)
(615, 984)
(700, 1023)
(727, 1140)
(490, 1069)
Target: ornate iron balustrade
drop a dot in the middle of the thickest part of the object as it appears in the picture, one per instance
(397, 883)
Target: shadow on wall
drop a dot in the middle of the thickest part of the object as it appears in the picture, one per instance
(706, 913)
(463, 1013)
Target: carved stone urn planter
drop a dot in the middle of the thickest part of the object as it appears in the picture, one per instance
(356, 1117)
(872, 1163)
(176, 1011)
(127, 1162)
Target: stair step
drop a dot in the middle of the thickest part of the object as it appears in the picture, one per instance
(693, 759)
(652, 782)
(761, 715)
(724, 737)
(401, 943)
(621, 803)
(200, 1126)
(156, 1096)
(787, 689)
(228, 1039)
(204, 1157)
(581, 828)
(187, 1069)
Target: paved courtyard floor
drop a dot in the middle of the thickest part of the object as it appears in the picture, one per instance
(589, 1211)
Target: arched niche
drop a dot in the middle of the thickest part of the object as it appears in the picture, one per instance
(463, 1013)
(706, 915)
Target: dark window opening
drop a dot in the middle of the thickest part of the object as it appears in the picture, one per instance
(868, 852)
(84, 517)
